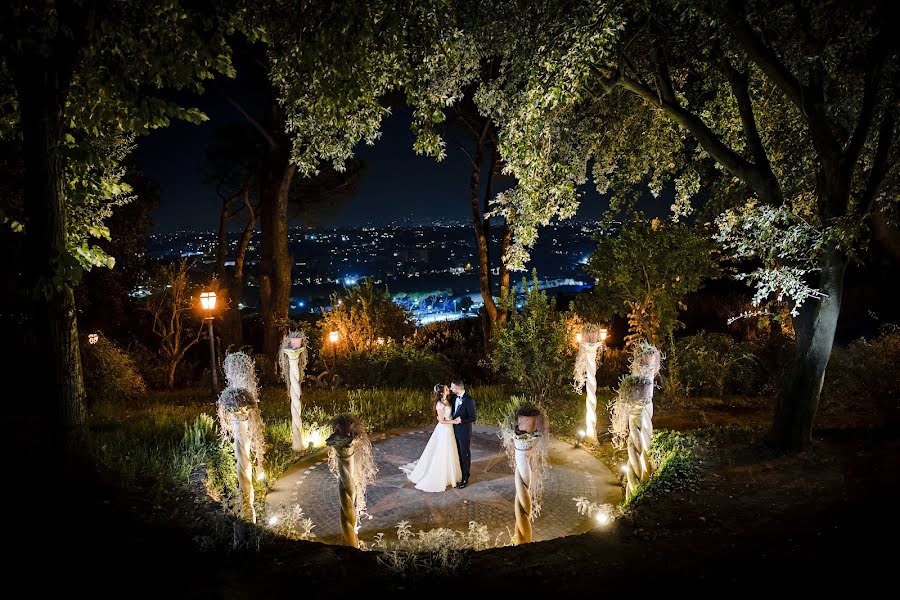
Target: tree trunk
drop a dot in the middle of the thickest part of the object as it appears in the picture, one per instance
(267, 246)
(275, 263)
(172, 366)
(504, 271)
(41, 99)
(814, 328)
(492, 316)
(281, 285)
(222, 243)
(233, 319)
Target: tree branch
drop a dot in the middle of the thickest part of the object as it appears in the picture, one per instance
(733, 162)
(253, 121)
(879, 164)
(764, 57)
(867, 111)
(740, 89)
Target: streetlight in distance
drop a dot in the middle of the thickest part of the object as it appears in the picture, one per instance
(208, 302)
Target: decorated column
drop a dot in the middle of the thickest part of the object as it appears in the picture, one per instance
(523, 446)
(343, 448)
(293, 357)
(239, 420)
(632, 420)
(524, 433)
(352, 462)
(589, 342)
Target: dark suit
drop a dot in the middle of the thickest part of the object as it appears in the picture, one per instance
(463, 432)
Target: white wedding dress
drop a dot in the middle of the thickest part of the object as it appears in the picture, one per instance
(438, 467)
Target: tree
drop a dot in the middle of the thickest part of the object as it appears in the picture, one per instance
(171, 304)
(362, 315)
(266, 150)
(85, 77)
(645, 270)
(102, 297)
(791, 104)
(232, 162)
(336, 62)
(535, 348)
(486, 158)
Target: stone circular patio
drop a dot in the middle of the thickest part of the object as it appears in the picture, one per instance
(488, 499)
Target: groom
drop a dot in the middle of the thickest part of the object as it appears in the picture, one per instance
(463, 417)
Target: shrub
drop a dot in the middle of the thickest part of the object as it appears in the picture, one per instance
(364, 314)
(461, 342)
(393, 365)
(110, 374)
(534, 349)
(862, 376)
(715, 364)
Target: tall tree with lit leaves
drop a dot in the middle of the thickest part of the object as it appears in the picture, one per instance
(785, 112)
(84, 78)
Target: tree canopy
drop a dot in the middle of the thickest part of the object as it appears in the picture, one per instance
(644, 271)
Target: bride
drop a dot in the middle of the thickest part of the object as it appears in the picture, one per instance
(438, 466)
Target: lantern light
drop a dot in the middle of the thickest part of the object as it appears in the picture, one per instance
(208, 300)
(578, 337)
(602, 519)
(93, 338)
(333, 337)
(602, 335)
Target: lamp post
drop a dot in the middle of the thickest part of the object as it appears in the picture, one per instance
(208, 302)
(333, 337)
(602, 345)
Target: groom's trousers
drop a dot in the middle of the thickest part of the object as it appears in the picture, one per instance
(463, 433)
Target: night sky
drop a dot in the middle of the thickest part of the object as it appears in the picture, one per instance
(396, 183)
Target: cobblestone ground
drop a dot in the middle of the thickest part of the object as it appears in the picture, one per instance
(488, 499)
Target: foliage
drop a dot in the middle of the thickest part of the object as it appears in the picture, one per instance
(645, 270)
(676, 465)
(437, 552)
(362, 315)
(535, 348)
(715, 364)
(862, 377)
(461, 342)
(205, 460)
(102, 297)
(171, 304)
(393, 366)
(110, 373)
(115, 67)
(788, 247)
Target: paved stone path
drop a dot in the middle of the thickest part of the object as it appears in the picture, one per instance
(488, 499)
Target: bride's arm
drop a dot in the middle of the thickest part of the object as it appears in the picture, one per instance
(439, 411)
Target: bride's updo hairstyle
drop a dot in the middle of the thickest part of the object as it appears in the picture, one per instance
(438, 393)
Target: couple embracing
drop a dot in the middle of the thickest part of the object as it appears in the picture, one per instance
(447, 456)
